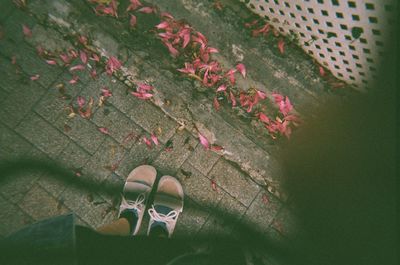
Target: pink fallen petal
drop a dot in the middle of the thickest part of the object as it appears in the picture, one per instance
(83, 56)
(81, 101)
(174, 52)
(154, 139)
(221, 88)
(112, 65)
(263, 118)
(216, 104)
(73, 53)
(27, 31)
(40, 51)
(250, 24)
(134, 5)
(147, 142)
(74, 80)
(232, 98)
(186, 40)
(35, 77)
(147, 10)
(261, 94)
(65, 58)
(231, 75)
(163, 25)
(93, 73)
(204, 141)
(106, 92)
(142, 95)
(144, 87)
(166, 15)
(281, 45)
(104, 130)
(14, 60)
(242, 69)
(133, 21)
(83, 40)
(78, 67)
(95, 57)
(51, 62)
(322, 71)
(212, 50)
(277, 97)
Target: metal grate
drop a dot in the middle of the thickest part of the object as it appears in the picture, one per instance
(347, 37)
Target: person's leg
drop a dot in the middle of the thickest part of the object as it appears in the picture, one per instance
(120, 227)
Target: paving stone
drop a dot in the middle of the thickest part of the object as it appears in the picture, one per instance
(81, 131)
(19, 102)
(191, 219)
(152, 119)
(139, 154)
(52, 185)
(222, 221)
(42, 135)
(121, 98)
(11, 75)
(197, 186)
(14, 145)
(235, 182)
(29, 61)
(262, 210)
(12, 217)
(105, 161)
(120, 127)
(57, 99)
(286, 223)
(169, 161)
(83, 205)
(203, 160)
(17, 185)
(7, 7)
(3, 95)
(73, 156)
(39, 204)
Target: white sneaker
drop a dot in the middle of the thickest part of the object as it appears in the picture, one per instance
(137, 188)
(167, 205)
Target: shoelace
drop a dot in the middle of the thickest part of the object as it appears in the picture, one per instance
(134, 204)
(168, 219)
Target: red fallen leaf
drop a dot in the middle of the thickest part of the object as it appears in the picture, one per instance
(104, 130)
(106, 92)
(242, 69)
(51, 62)
(265, 199)
(204, 141)
(134, 5)
(281, 45)
(78, 67)
(217, 148)
(216, 104)
(27, 31)
(132, 21)
(221, 88)
(213, 185)
(74, 80)
(232, 98)
(322, 71)
(14, 60)
(147, 10)
(264, 118)
(35, 77)
(147, 142)
(83, 56)
(154, 139)
(81, 101)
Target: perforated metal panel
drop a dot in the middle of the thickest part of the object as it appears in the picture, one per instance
(347, 37)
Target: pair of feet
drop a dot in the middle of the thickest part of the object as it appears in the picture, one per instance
(166, 206)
